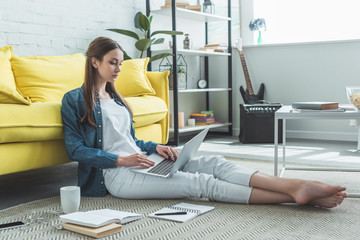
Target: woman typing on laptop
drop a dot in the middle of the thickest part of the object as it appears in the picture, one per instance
(99, 135)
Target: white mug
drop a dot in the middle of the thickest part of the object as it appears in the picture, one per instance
(70, 198)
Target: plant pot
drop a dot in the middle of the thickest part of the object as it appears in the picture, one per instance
(181, 79)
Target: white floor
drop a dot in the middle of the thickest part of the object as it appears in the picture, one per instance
(314, 152)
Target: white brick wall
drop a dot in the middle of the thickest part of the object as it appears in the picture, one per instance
(58, 27)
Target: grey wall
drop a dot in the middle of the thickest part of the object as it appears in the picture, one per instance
(304, 72)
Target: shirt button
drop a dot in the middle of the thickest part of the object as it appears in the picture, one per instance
(99, 140)
(98, 112)
(102, 182)
(99, 125)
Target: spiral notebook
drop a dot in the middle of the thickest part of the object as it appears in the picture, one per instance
(192, 211)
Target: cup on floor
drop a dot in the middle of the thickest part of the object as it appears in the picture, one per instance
(70, 198)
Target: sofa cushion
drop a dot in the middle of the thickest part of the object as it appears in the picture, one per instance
(6, 75)
(147, 109)
(132, 80)
(42, 121)
(37, 122)
(47, 79)
(8, 92)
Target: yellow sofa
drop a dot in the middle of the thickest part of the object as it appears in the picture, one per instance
(31, 89)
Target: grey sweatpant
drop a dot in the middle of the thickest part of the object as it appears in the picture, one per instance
(210, 177)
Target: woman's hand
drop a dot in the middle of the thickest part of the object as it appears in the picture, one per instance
(167, 151)
(134, 160)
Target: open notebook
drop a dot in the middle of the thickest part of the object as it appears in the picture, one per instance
(98, 218)
(192, 211)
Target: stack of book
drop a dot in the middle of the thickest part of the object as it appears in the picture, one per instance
(203, 118)
(180, 4)
(316, 106)
(216, 47)
(194, 8)
(97, 223)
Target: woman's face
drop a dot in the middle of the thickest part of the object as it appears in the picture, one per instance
(108, 69)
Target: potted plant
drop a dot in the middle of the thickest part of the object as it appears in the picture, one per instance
(181, 69)
(181, 78)
(144, 39)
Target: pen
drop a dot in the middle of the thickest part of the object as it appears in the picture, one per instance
(171, 213)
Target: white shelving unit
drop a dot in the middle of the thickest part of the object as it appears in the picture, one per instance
(193, 15)
(200, 127)
(195, 90)
(205, 18)
(192, 52)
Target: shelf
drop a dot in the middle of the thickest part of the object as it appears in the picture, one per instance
(187, 18)
(199, 127)
(191, 52)
(194, 90)
(190, 14)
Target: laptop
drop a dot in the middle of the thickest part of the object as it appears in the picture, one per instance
(166, 167)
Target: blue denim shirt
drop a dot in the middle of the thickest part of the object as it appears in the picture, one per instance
(84, 143)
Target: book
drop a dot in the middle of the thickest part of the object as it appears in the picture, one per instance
(216, 45)
(322, 110)
(315, 105)
(192, 211)
(98, 232)
(203, 118)
(194, 8)
(98, 218)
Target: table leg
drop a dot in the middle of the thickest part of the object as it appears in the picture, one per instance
(358, 125)
(284, 141)
(276, 146)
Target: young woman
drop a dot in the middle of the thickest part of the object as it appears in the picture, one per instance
(99, 135)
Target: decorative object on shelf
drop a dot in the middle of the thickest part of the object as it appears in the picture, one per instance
(353, 95)
(208, 7)
(187, 41)
(181, 66)
(181, 119)
(144, 41)
(191, 122)
(202, 83)
(258, 24)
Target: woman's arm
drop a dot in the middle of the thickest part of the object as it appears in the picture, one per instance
(74, 138)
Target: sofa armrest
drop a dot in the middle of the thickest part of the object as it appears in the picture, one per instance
(160, 83)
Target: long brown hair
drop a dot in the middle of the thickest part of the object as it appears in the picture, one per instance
(97, 49)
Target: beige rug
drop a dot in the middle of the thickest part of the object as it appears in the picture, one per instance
(227, 221)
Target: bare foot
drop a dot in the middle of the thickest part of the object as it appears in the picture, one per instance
(329, 202)
(307, 191)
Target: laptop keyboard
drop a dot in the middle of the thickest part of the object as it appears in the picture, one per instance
(163, 168)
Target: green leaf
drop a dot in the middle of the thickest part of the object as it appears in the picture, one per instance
(125, 32)
(144, 22)
(150, 19)
(126, 56)
(159, 56)
(143, 44)
(167, 32)
(136, 20)
(158, 41)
